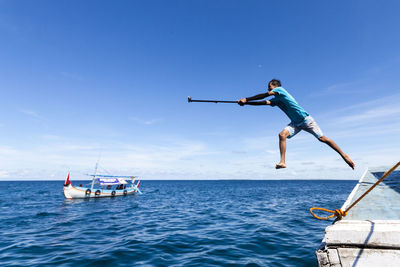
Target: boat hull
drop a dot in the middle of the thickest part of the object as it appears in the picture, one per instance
(369, 235)
(71, 192)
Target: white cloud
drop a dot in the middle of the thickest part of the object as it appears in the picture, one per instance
(4, 174)
(7, 151)
(261, 142)
(175, 157)
(253, 157)
(351, 87)
(391, 100)
(376, 118)
(374, 114)
(51, 137)
(145, 122)
(338, 87)
(31, 113)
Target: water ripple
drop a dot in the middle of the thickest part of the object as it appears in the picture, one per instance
(180, 223)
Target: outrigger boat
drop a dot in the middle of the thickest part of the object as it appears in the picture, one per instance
(366, 231)
(102, 186)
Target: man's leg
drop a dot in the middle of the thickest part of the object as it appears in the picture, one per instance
(335, 147)
(282, 147)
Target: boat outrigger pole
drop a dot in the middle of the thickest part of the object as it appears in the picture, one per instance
(210, 101)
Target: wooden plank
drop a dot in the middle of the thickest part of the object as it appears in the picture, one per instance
(352, 257)
(364, 234)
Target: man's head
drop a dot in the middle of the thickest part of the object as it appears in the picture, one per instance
(273, 84)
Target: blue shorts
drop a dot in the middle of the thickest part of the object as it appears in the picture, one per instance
(308, 125)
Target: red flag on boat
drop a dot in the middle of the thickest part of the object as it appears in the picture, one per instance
(137, 185)
(67, 182)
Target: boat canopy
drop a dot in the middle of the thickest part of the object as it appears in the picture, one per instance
(112, 176)
(111, 181)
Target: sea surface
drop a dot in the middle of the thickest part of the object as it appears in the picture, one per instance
(173, 223)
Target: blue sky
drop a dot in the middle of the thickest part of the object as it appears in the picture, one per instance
(80, 79)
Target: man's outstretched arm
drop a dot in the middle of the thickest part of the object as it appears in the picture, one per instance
(256, 97)
(258, 103)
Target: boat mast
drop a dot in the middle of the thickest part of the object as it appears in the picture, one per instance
(94, 176)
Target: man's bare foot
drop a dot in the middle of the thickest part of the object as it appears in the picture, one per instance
(349, 161)
(280, 165)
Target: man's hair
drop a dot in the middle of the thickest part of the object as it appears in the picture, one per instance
(275, 82)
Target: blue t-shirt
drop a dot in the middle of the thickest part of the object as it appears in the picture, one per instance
(288, 104)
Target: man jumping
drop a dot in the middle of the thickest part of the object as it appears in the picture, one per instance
(300, 119)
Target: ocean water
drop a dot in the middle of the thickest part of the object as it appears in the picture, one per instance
(173, 223)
